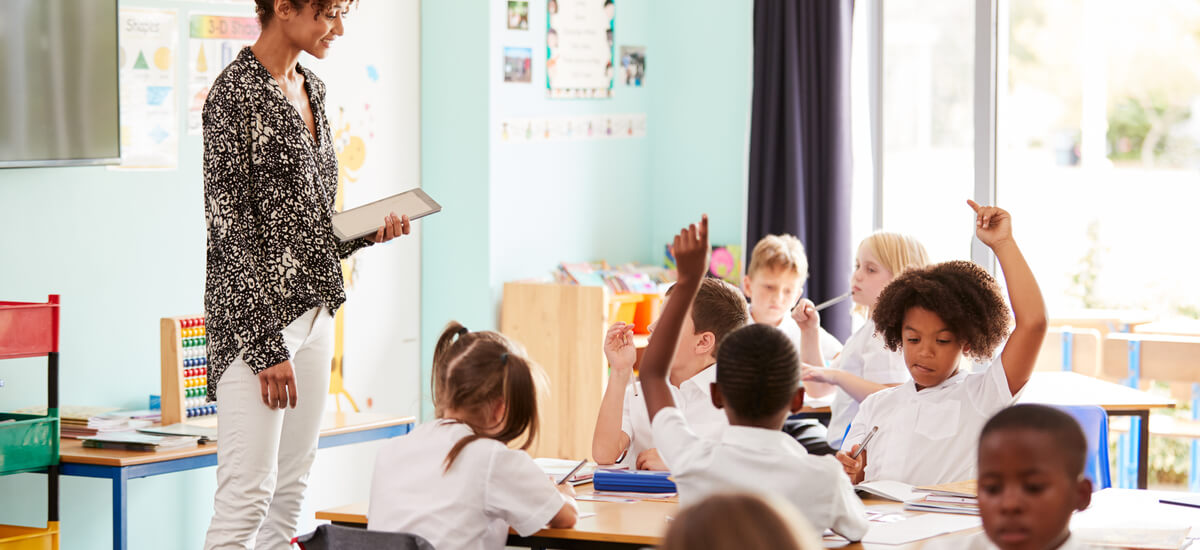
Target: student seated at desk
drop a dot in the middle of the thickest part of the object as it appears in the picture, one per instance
(1031, 480)
(927, 428)
(735, 521)
(773, 283)
(622, 434)
(454, 480)
(865, 365)
(757, 385)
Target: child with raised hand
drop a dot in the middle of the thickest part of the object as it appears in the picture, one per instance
(622, 434)
(735, 521)
(865, 365)
(758, 384)
(927, 428)
(455, 481)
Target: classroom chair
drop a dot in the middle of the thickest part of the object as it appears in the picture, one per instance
(1135, 358)
(338, 537)
(1094, 422)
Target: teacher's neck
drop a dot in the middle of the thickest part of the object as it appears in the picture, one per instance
(276, 52)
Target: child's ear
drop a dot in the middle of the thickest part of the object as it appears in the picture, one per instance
(746, 286)
(1083, 494)
(797, 400)
(707, 342)
(717, 400)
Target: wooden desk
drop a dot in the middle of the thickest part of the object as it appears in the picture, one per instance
(121, 466)
(635, 525)
(1181, 327)
(1070, 388)
(615, 525)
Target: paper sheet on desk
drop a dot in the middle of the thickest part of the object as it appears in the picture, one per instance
(918, 528)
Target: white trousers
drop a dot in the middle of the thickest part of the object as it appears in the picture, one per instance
(264, 455)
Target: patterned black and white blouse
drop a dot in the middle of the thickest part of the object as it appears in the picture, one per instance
(268, 202)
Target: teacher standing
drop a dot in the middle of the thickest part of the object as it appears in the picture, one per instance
(274, 277)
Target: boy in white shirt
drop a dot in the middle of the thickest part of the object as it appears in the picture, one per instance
(928, 426)
(1031, 481)
(773, 284)
(622, 434)
(757, 385)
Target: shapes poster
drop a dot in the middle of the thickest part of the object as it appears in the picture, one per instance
(579, 48)
(213, 42)
(149, 112)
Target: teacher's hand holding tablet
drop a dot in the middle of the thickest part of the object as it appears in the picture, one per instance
(392, 227)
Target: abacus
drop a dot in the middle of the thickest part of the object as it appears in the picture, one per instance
(184, 370)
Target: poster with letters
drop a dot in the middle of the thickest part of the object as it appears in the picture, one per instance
(579, 48)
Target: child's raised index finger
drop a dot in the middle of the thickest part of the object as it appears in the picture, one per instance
(704, 227)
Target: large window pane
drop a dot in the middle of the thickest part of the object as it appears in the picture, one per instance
(928, 122)
(1099, 126)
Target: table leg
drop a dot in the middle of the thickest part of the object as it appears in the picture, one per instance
(1143, 449)
(120, 505)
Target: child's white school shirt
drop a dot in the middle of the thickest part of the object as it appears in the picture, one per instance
(761, 461)
(979, 541)
(930, 436)
(489, 488)
(830, 345)
(866, 357)
(693, 397)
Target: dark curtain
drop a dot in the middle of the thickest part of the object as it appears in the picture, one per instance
(800, 141)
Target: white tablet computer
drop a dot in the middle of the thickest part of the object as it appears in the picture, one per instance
(368, 218)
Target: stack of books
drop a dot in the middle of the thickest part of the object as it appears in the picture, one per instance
(949, 498)
(134, 441)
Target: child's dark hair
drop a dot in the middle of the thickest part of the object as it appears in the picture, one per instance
(965, 296)
(1060, 426)
(758, 371)
(474, 370)
(719, 308)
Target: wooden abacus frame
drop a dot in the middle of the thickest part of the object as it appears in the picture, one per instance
(174, 405)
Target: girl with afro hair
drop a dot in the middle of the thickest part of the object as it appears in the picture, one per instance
(928, 427)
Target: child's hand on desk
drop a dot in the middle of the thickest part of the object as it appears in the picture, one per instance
(805, 314)
(823, 375)
(855, 468)
(649, 460)
(619, 348)
(566, 489)
(691, 251)
(993, 225)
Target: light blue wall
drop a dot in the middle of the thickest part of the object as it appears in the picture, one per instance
(524, 207)
(700, 64)
(455, 243)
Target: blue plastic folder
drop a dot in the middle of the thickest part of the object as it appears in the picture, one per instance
(633, 481)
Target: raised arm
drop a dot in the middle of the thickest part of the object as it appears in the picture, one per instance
(691, 258)
(609, 441)
(993, 226)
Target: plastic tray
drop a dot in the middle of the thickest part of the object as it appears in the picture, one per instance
(13, 537)
(29, 443)
(28, 329)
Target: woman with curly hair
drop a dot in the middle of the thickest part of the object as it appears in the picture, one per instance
(273, 280)
(928, 428)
